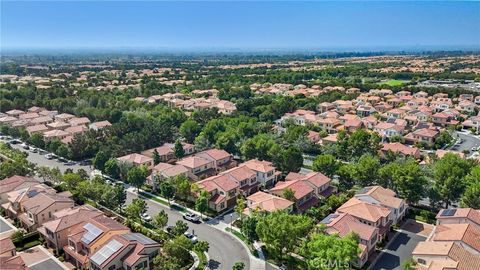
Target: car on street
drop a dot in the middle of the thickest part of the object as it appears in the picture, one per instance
(146, 217)
(49, 156)
(191, 237)
(191, 217)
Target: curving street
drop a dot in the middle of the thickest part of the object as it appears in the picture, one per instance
(224, 249)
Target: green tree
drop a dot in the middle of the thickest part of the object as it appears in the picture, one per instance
(240, 206)
(167, 190)
(178, 150)
(189, 130)
(156, 157)
(366, 170)
(182, 186)
(135, 209)
(180, 228)
(281, 231)
(329, 251)
(71, 180)
(160, 220)
(99, 160)
(289, 194)
(289, 160)
(63, 151)
(326, 164)
(345, 176)
(37, 140)
(471, 196)
(201, 204)
(201, 246)
(238, 266)
(137, 176)
(448, 174)
(178, 249)
(112, 169)
(249, 225)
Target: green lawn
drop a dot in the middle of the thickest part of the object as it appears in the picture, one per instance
(393, 82)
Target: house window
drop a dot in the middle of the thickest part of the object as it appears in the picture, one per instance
(50, 214)
(372, 242)
(222, 205)
(421, 261)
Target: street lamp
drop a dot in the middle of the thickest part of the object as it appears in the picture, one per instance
(231, 222)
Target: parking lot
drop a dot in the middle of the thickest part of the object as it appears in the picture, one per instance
(40, 160)
(401, 247)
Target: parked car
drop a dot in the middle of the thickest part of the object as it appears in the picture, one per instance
(191, 217)
(191, 237)
(14, 141)
(70, 163)
(146, 217)
(25, 146)
(49, 156)
(33, 149)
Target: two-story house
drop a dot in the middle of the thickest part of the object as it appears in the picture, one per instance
(384, 197)
(266, 172)
(126, 251)
(198, 167)
(303, 194)
(222, 160)
(344, 224)
(40, 209)
(316, 180)
(459, 216)
(56, 231)
(137, 160)
(265, 202)
(223, 192)
(423, 136)
(373, 215)
(13, 183)
(85, 238)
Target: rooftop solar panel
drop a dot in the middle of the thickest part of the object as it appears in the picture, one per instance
(139, 238)
(448, 212)
(92, 233)
(105, 252)
(329, 219)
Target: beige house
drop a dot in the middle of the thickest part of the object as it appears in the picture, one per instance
(125, 251)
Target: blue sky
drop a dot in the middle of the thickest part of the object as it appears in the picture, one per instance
(247, 25)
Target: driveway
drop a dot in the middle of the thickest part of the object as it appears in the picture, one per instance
(224, 249)
(401, 247)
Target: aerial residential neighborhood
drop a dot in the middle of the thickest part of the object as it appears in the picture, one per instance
(239, 135)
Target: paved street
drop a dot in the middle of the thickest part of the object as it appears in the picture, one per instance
(224, 250)
(469, 141)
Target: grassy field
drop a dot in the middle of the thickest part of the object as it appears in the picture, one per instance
(394, 82)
